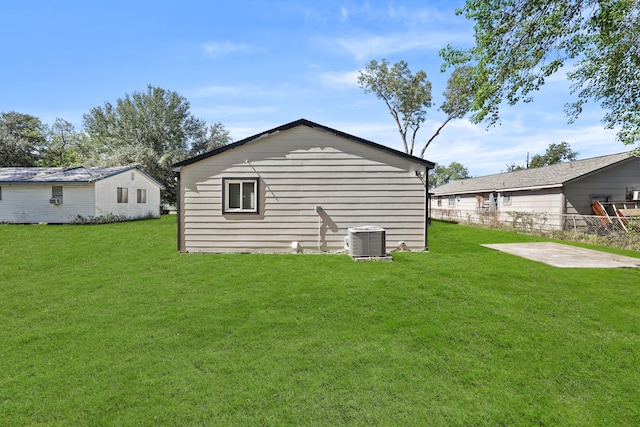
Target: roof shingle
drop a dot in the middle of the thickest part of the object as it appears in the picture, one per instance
(59, 175)
(543, 177)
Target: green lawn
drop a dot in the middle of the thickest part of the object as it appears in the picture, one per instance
(110, 325)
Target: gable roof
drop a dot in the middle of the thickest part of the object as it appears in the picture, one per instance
(535, 178)
(303, 122)
(80, 174)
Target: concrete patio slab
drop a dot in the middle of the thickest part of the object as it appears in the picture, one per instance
(566, 256)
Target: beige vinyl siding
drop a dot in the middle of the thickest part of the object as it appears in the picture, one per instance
(544, 200)
(549, 200)
(300, 169)
(610, 182)
(572, 195)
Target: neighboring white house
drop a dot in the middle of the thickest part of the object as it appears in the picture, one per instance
(60, 195)
(553, 191)
(300, 186)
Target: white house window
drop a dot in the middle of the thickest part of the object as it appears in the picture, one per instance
(452, 200)
(506, 199)
(123, 195)
(240, 195)
(439, 200)
(142, 195)
(56, 194)
(0, 193)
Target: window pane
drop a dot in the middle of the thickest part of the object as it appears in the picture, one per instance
(248, 193)
(234, 195)
(123, 195)
(56, 192)
(142, 196)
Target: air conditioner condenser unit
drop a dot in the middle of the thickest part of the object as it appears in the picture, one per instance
(367, 241)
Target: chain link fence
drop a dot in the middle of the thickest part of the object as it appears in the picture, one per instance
(613, 231)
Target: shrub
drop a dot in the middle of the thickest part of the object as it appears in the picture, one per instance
(102, 219)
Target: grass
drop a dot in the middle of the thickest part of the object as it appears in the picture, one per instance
(110, 325)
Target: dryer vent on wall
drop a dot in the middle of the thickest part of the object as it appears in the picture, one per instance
(367, 241)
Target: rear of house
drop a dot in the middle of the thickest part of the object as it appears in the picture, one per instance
(300, 187)
(546, 195)
(617, 184)
(61, 195)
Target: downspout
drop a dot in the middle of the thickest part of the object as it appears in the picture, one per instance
(427, 206)
(563, 209)
(179, 210)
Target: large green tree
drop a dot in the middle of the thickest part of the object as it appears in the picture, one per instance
(444, 174)
(408, 96)
(214, 136)
(556, 153)
(22, 139)
(65, 145)
(458, 96)
(153, 129)
(521, 43)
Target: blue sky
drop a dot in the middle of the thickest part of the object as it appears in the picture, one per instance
(254, 65)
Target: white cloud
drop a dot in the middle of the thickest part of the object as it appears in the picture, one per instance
(426, 16)
(489, 151)
(344, 13)
(339, 79)
(366, 46)
(245, 91)
(241, 132)
(376, 132)
(222, 48)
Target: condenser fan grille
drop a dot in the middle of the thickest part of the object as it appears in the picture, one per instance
(367, 241)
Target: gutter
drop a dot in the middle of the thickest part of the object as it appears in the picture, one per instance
(496, 190)
(427, 209)
(178, 209)
(537, 187)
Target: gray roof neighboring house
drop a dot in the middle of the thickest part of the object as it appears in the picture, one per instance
(535, 178)
(80, 174)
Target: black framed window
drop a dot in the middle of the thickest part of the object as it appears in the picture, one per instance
(240, 195)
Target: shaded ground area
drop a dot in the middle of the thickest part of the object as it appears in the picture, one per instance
(566, 256)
